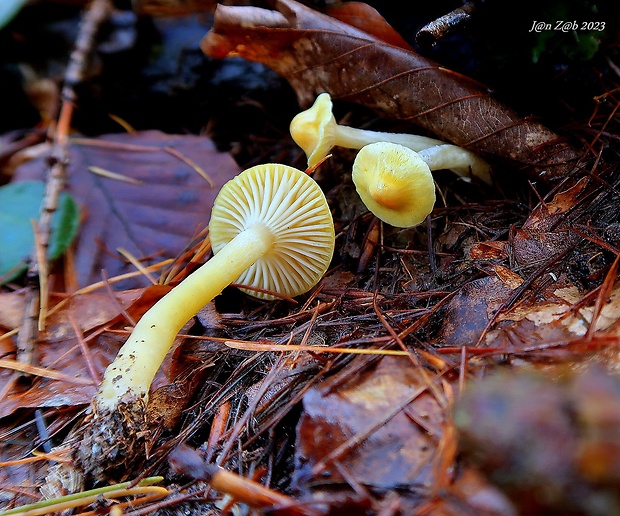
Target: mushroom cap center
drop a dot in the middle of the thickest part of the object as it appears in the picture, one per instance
(389, 193)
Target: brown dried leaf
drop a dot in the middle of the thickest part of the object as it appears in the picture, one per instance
(469, 312)
(97, 309)
(510, 279)
(185, 368)
(58, 349)
(318, 53)
(488, 250)
(546, 215)
(368, 19)
(561, 317)
(399, 452)
(157, 214)
(547, 231)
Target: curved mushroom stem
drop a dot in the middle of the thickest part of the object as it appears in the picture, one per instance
(353, 138)
(128, 378)
(316, 131)
(271, 227)
(457, 159)
(438, 155)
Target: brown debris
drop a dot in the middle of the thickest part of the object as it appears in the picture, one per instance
(551, 446)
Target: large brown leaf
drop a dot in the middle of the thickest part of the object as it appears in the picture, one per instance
(158, 214)
(58, 349)
(317, 53)
(380, 408)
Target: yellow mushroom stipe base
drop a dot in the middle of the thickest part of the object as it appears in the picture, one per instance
(155, 332)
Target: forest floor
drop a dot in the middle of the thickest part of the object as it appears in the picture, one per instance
(467, 365)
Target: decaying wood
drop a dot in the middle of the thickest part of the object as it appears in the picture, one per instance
(436, 30)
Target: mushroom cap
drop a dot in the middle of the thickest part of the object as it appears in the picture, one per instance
(394, 183)
(292, 205)
(314, 129)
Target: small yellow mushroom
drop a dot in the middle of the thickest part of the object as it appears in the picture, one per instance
(394, 183)
(316, 131)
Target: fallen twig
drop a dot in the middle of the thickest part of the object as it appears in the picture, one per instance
(35, 314)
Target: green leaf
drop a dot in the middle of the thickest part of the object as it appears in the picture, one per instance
(9, 9)
(19, 205)
(65, 225)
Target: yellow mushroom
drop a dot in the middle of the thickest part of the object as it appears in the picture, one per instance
(394, 183)
(457, 159)
(271, 228)
(316, 131)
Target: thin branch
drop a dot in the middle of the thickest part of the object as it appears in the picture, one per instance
(37, 293)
